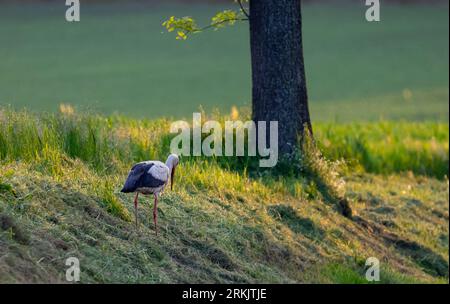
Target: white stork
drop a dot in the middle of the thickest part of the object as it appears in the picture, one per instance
(150, 177)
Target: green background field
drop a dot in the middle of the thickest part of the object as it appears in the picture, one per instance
(226, 220)
(117, 59)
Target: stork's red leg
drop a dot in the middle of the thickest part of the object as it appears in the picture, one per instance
(135, 208)
(155, 213)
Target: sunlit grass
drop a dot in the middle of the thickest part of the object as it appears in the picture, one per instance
(59, 193)
(112, 142)
(387, 147)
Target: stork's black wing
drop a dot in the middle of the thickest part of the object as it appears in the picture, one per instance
(134, 177)
(139, 178)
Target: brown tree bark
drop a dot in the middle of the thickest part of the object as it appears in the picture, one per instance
(278, 72)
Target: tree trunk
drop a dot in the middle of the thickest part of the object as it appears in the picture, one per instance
(278, 72)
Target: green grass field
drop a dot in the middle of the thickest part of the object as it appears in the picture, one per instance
(59, 196)
(118, 59)
(379, 100)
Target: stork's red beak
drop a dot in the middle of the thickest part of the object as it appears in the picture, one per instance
(171, 178)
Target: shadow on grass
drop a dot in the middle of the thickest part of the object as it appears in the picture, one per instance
(211, 252)
(298, 224)
(431, 262)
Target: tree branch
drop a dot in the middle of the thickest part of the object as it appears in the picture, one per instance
(221, 22)
(188, 27)
(243, 9)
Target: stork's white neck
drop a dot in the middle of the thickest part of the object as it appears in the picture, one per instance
(171, 161)
(170, 166)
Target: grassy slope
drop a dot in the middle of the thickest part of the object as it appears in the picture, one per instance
(59, 199)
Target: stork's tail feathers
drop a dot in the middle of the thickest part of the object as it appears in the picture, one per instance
(125, 190)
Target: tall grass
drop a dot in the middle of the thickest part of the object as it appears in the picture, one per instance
(387, 147)
(112, 143)
(104, 143)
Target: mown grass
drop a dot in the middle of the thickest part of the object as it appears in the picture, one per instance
(59, 181)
